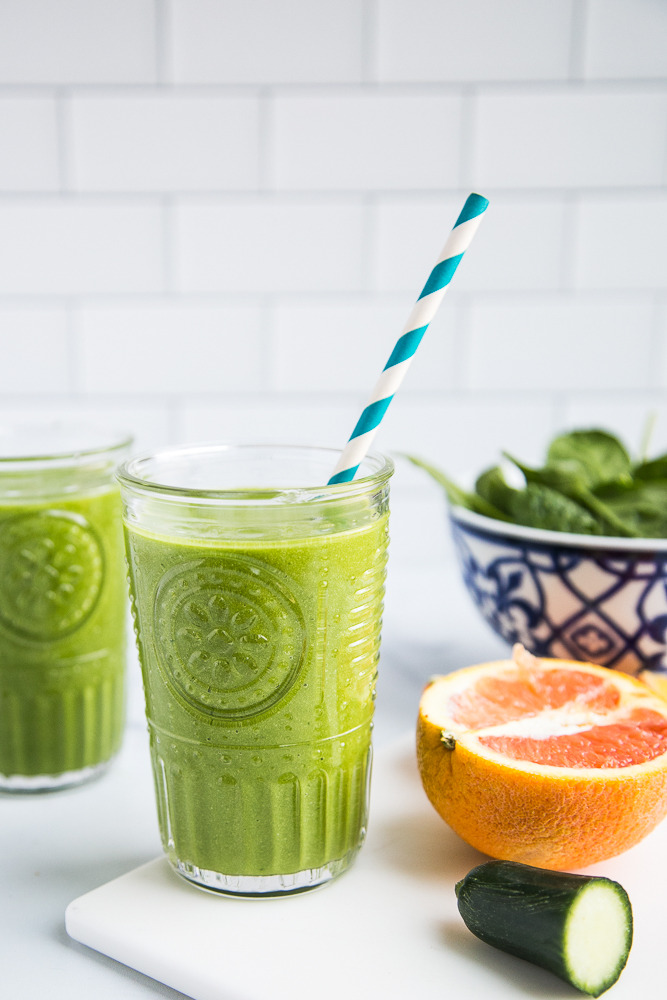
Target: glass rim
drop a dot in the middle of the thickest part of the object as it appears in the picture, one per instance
(126, 475)
(118, 441)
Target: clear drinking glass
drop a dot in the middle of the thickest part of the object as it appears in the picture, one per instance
(257, 596)
(62, 605)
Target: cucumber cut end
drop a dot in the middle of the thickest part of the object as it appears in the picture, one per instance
(598, 936)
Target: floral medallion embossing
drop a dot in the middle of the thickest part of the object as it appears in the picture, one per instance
(51, 574)
(230, 634)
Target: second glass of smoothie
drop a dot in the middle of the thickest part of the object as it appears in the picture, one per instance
(63, 605)
(257, 596)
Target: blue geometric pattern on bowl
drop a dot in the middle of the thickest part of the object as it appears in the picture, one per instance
(603, 600)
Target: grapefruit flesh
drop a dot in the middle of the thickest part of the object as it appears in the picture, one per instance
(640, 737)
(493, 699)
(547, 762)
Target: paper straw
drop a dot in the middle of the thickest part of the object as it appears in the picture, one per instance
(422, 313)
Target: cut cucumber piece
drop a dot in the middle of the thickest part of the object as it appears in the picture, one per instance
(576, 926)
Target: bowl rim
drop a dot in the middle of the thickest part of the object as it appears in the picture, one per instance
(567, 539)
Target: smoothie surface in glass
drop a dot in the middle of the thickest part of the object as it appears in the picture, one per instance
(259, 662)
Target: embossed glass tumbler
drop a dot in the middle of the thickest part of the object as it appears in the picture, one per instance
(62, 606)
(257, 599)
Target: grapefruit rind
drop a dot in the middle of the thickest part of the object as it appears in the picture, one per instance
(538, 814)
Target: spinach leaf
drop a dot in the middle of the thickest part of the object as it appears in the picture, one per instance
(615, 488)
(644, 507)
(564, 479)
(595, 455)
(491, 486)
(655, 469)
(588, 486)
(536, 506)
(541, 507)
(457, 496)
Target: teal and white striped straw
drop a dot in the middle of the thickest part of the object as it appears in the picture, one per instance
(422, 313)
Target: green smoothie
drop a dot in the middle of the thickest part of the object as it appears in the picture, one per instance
(259, 658)
(62, 631)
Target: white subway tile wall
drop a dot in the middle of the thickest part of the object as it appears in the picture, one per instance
(35, 350)
(79, 247)
(589, 342)
(164, 143)
(622, 243)
(351, 143)
(29, 161)
(265, 41)
(215, 214)
(174, 348)
(626, 40)
(569, 138)
(77, 41)
(268, 246)
(446, 40)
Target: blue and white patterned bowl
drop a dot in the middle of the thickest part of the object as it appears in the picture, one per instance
(571, 596)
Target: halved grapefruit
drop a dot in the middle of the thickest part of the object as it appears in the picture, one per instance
(552, 763)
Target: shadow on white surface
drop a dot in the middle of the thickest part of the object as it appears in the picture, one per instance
(422, 847)
(123, 974)
(521, 976)
(84, 875)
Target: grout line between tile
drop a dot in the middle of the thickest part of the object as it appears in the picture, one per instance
(602, 85)
(461, 352)
(63, 139)
(369, 41)
(163, 40)
(341, 196)
(467, 128)
(578, 39)
(569, 243)
(174, 407)
(368, 251)
(74, 346)
(655, 376)
(512, 297)
(168, 225)
(559, 407)
(267, 374)
(265, 141)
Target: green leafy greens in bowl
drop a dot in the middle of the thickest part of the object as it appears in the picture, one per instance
(589, 485)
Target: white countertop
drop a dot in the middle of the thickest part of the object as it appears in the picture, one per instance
(56, 847)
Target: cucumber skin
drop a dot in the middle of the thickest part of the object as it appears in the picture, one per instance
(523, 911)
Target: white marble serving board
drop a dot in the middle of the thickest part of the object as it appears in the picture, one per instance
(387, 929)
